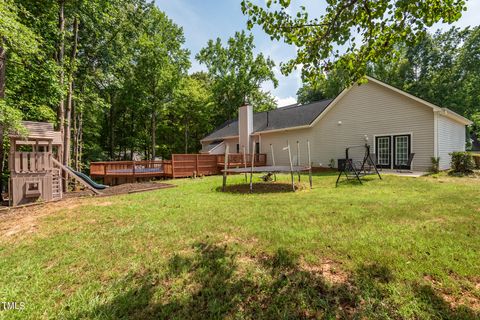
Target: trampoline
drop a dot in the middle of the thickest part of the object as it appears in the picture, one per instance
(292, 169)
(266, 169)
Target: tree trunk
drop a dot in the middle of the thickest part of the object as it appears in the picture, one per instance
(186, 138)
(68, 109)
(77, 141)
(112, 130)
(60, 62)
(3, 60)
(154, 131)
(80, 141)
(75, 136)
(132, 129)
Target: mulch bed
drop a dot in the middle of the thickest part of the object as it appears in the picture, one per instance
(121, 189)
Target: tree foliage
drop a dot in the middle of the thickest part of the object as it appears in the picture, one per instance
(237, 75)
(442, 68)
(368, 30)
(115, 73)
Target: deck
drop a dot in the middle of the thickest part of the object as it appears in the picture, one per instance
(180, 166)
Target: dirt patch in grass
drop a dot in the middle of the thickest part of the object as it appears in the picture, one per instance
(265, 187)
(457, 300)
(328, 269)
(25, 220)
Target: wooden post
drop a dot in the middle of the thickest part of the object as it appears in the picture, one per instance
(291, 165)
(309, 164)
(225, 164)
(245, 162)
(196, 166)
(173, 167)
(273, 162)
(36, 156)
(298, 159)
(253, 162)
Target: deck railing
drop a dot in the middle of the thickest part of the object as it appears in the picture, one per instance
(127, 168)
(237, 159)
(31, 162)
(181, 165)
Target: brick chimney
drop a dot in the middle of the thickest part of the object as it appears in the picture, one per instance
(245, 127)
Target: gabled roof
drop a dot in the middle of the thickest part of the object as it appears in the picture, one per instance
(305, 116)
(292, 116)
(42, 131)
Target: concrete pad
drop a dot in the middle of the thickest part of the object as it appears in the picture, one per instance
(404, 173)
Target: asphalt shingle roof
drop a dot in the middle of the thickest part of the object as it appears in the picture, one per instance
(280, 118)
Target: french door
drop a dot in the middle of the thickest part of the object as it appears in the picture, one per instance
(393, 151)
(401, 151)
(383, 149)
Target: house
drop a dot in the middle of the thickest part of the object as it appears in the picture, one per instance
(393, 122)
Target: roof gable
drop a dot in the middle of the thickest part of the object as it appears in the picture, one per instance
(278, 119)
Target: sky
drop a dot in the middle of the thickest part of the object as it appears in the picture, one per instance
(203, 20)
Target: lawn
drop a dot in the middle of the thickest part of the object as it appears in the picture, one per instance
(399, 248)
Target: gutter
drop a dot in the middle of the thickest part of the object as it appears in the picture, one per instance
(219, 138)
(282, 130)
(455, 116)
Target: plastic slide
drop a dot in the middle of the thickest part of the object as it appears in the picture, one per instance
(88, 180)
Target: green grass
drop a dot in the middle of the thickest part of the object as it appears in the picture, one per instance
(392, 248)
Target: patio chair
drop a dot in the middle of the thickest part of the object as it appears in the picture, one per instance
(409, 164)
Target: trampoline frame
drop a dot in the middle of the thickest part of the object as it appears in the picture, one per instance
(269, 169)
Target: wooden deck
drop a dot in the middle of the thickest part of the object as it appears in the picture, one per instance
(180, 166)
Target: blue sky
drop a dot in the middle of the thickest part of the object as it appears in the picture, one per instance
(208, 19)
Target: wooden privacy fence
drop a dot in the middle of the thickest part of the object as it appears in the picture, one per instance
(188, 165)
(181, 165)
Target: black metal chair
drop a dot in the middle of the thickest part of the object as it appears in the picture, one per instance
(409, 164)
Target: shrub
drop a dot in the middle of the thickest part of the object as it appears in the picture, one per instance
(462, 162)
(476, 158)
(435, 164)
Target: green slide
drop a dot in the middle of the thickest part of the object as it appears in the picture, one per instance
(88, 180)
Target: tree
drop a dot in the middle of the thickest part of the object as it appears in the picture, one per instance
(327, 86)
(17, 39)
(160, 63)
(380, 25)
(237, 75)
(192, 110)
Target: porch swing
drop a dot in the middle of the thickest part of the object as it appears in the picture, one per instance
(355, 170)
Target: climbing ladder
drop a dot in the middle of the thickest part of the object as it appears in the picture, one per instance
(56, 184)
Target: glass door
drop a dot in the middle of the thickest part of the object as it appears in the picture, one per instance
(383, 149)
(401, 151)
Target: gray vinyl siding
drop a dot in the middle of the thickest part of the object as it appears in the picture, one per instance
(451, 137)
(280, 140)
(367, 110)
(232, 145)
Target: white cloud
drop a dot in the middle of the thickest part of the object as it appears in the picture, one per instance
(282, 102)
